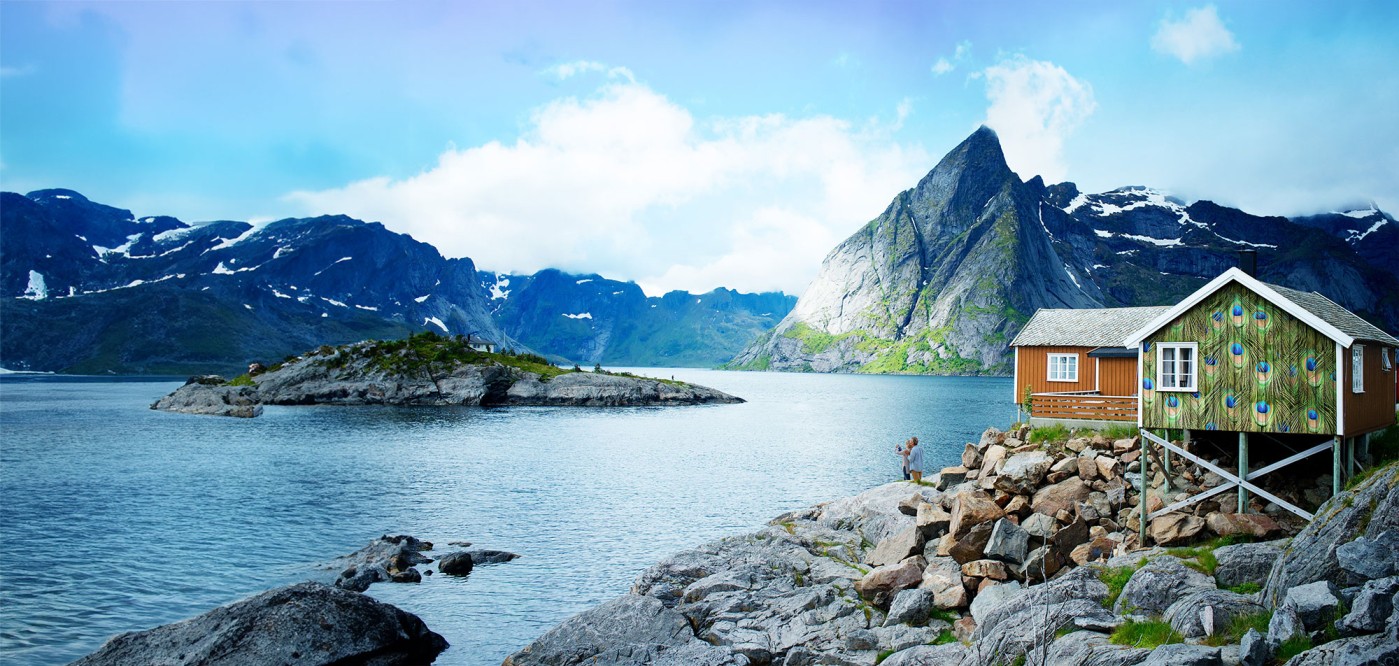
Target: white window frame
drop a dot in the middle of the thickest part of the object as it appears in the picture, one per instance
(1357, 369)
(1068, 362)
(1194, 365)
(1385, 363)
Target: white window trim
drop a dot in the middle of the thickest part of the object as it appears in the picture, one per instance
(1049, 366)
(1385, 362)
(1194, 348)
(1357, 370)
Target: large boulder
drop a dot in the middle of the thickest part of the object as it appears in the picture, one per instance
(943, 577)
(1205, 612)
(630, 630)
(1368, 510)
(1088, 648)
(927, 655)
(1158, 584)
(1062, 496)
(307, 623)
(456, 564)
(1182, 654)
(910, 606)
(1371, 558)
(873, 513)
(897, 548)
(881, 584)
(931, 520)
(385, 558)
(1008, 542)
(1175, 528)
(1373, 605)
(1314, 603)
(1245, 563)
(993, 597)
(1022, 472)
(970, 509)
(1256, 525)
(1359, 651)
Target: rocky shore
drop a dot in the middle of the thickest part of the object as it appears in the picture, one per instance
(424, 370)
(1025, 554)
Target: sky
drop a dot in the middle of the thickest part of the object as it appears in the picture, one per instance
(684, 145)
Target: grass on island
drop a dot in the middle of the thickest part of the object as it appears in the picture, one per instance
(1148, 634)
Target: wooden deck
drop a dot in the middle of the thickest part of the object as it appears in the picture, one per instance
(1085, 405)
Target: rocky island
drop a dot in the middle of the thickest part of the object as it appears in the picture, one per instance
(425, 369)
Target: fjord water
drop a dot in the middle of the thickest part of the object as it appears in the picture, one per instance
(117, 518)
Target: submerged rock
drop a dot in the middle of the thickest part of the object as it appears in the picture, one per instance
(307, 623)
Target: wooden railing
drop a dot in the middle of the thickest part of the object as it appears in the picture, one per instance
(1086, 405)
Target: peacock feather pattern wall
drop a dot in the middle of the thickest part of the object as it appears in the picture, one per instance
(1260, 370)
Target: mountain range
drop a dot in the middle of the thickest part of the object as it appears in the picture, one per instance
(944, 278)
(89, 288)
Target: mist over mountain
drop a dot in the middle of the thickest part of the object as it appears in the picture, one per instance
(944, 278)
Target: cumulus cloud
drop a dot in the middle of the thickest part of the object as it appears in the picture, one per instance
(1034, 106)
(630, 184)
(943, 66)
(1198, 36)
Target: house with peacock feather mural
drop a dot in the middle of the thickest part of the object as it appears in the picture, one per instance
(1289, 374)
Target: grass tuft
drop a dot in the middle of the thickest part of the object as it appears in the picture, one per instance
(1116, 578)
(1053, 433)
(944, 637)
(1147, 634)
(1248, 587)
(1238, 626)
(1292, 647)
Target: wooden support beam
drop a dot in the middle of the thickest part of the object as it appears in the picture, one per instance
(1227, 475)
(1243, 471)
(1350, 458)
(1146, 469)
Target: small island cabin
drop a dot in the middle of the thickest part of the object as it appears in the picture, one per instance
(480, 344)
(1071, 367)
(1274, 366)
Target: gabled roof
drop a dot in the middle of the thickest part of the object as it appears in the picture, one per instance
(1317, 311)
(1097, 327)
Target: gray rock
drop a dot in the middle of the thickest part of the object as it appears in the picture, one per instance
(1375, 649)
(483, 556)
(1008, 543)
(1371, 608)
(456, 564)
(1039, 525)
(873, 513)
(307, 623)
(1371, 558)
(383, 559)
(1021, 474)
(910, 607)
(993, 597)
(1183, 654)
(208, 396)
(1368, 510)
(1245, 563)
(1189, 614)
(1031, 618)
(897, 548)
(1283, 625)
(1253, 649)
(1154, 587)
(901, 636)
(631, 629)
(927, 655)
(1314, 603)
(1088, 648)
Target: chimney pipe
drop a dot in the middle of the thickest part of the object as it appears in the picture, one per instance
(1248, 262)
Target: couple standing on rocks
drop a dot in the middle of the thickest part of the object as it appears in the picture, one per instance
(912, 456)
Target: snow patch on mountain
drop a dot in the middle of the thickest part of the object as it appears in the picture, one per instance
(38, 289)
(435, 320)
(581, 315)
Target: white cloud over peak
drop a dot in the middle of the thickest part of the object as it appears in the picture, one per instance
(1200, 35)
(629, 184)
(1034, 106)
(569, 70)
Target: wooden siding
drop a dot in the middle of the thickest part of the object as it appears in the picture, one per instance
(1259, 369)
(1118, 376)
(1085, 407)
(1032, 370)
(1373, 409)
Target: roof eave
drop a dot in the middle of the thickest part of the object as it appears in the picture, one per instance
(1254, 285)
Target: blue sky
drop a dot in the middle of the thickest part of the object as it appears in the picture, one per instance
(683, 145)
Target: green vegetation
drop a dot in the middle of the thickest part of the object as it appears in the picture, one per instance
(1384, 451)
(1238, 626)
(1292, 647)
(1248, 587)
(430, 355)
(1116, 578)
(883, 654)
(814, 341)
(944, 637)
(1146, 634)
(241, 380)
(1046, 434)
(944, 615)
(1116, 432)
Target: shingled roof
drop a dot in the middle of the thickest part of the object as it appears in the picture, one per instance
(1098, 327)
(1328, 311)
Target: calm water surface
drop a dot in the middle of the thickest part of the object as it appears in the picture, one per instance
(116, 518)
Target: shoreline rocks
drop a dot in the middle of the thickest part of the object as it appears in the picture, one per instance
(306, 623)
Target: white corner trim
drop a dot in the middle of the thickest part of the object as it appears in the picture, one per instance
(1015, 386)
(1252, 284)
(1340, 392)
(1141, 407)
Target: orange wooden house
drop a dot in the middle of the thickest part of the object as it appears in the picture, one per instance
(1070, 365)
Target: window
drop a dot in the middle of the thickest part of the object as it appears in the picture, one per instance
(1063, 367)
(1175, 366)
(1384, 360)
(1357, 369)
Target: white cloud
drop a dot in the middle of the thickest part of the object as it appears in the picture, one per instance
(1034, 106)
(1198, 36)
(942, 66)
(569, 70)
(631, 185)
